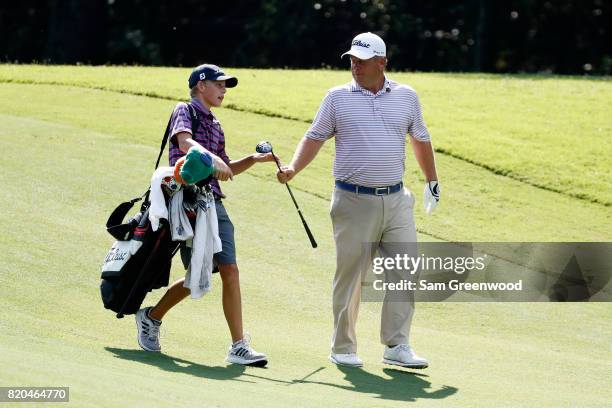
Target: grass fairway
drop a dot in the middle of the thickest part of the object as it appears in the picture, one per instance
(551, 132)
(70, 154)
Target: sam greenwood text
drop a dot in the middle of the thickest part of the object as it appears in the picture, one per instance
(455, 285)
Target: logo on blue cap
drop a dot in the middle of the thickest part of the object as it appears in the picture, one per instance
(213, 73)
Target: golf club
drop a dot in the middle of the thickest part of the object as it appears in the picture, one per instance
(266, 147)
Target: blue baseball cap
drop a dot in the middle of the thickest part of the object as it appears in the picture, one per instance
(212, 73)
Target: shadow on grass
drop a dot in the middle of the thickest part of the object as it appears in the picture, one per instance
(179, 365)
(402, 386)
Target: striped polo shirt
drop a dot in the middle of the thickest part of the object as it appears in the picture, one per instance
(370, 131)
(209, 134)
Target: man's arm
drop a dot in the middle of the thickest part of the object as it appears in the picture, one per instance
(423, 152)
(306, 151)
(322, 128)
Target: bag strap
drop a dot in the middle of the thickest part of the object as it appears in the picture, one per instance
(115, 225)
(117, 216)
(163, 143)
(195, 122)
(193, 114)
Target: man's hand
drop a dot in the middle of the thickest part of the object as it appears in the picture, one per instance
(222, 170)
(431, 195)
(285, 174)
(263, 157)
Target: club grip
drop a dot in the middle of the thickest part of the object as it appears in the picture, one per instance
(310, 236)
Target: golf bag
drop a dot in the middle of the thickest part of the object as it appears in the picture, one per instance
(135, 266)
(140, 259)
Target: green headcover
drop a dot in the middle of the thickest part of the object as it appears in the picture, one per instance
(198, 166)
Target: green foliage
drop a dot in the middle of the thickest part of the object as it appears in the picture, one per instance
(445, 35)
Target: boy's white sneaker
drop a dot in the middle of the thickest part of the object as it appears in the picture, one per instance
(148, 330)
(242, 353)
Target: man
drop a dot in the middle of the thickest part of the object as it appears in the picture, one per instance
(208, 85)
(370, 118)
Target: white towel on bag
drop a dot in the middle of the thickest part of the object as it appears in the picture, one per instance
(206, 243)
(179, 222)
(158, 209)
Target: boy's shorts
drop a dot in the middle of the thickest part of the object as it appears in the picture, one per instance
(226, 233)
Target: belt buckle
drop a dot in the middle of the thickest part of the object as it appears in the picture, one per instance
(385, 191)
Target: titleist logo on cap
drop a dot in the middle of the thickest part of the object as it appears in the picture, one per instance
(366, 46)
(359, 43)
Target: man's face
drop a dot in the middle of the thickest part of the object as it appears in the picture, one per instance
(213, 92)
(367, 71)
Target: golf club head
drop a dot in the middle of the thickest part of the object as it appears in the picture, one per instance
(263, 147)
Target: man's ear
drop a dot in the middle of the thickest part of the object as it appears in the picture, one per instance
(201, 86)
(382, 63)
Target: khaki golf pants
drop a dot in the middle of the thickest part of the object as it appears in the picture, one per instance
(361, 221)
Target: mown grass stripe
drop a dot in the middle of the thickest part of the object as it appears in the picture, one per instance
(267, 113)
(230, 106)
(509, 174)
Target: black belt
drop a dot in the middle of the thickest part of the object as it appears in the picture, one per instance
(377, 191)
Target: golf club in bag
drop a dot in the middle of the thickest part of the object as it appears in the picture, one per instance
(266, 147)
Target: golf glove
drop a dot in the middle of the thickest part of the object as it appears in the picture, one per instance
(431, 195)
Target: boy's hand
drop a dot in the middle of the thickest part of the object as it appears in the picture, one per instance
(222, 170)
(263, 157)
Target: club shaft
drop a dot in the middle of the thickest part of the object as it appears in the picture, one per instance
(313, 243)
(297, 207)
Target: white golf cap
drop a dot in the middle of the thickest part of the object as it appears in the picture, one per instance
(366, 46)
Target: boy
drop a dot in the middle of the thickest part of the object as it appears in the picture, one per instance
(208, 84)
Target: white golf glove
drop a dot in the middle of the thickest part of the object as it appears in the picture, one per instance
(431, 196)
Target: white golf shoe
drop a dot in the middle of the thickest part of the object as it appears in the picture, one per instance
(148, 330)
(242, 353)
(348, 359)
(402, 355)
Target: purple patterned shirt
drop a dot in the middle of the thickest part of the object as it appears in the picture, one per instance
(209, 135)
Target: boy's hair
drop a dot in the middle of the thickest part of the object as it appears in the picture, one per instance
(192, 91)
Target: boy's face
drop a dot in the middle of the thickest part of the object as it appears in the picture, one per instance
(213, 92)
